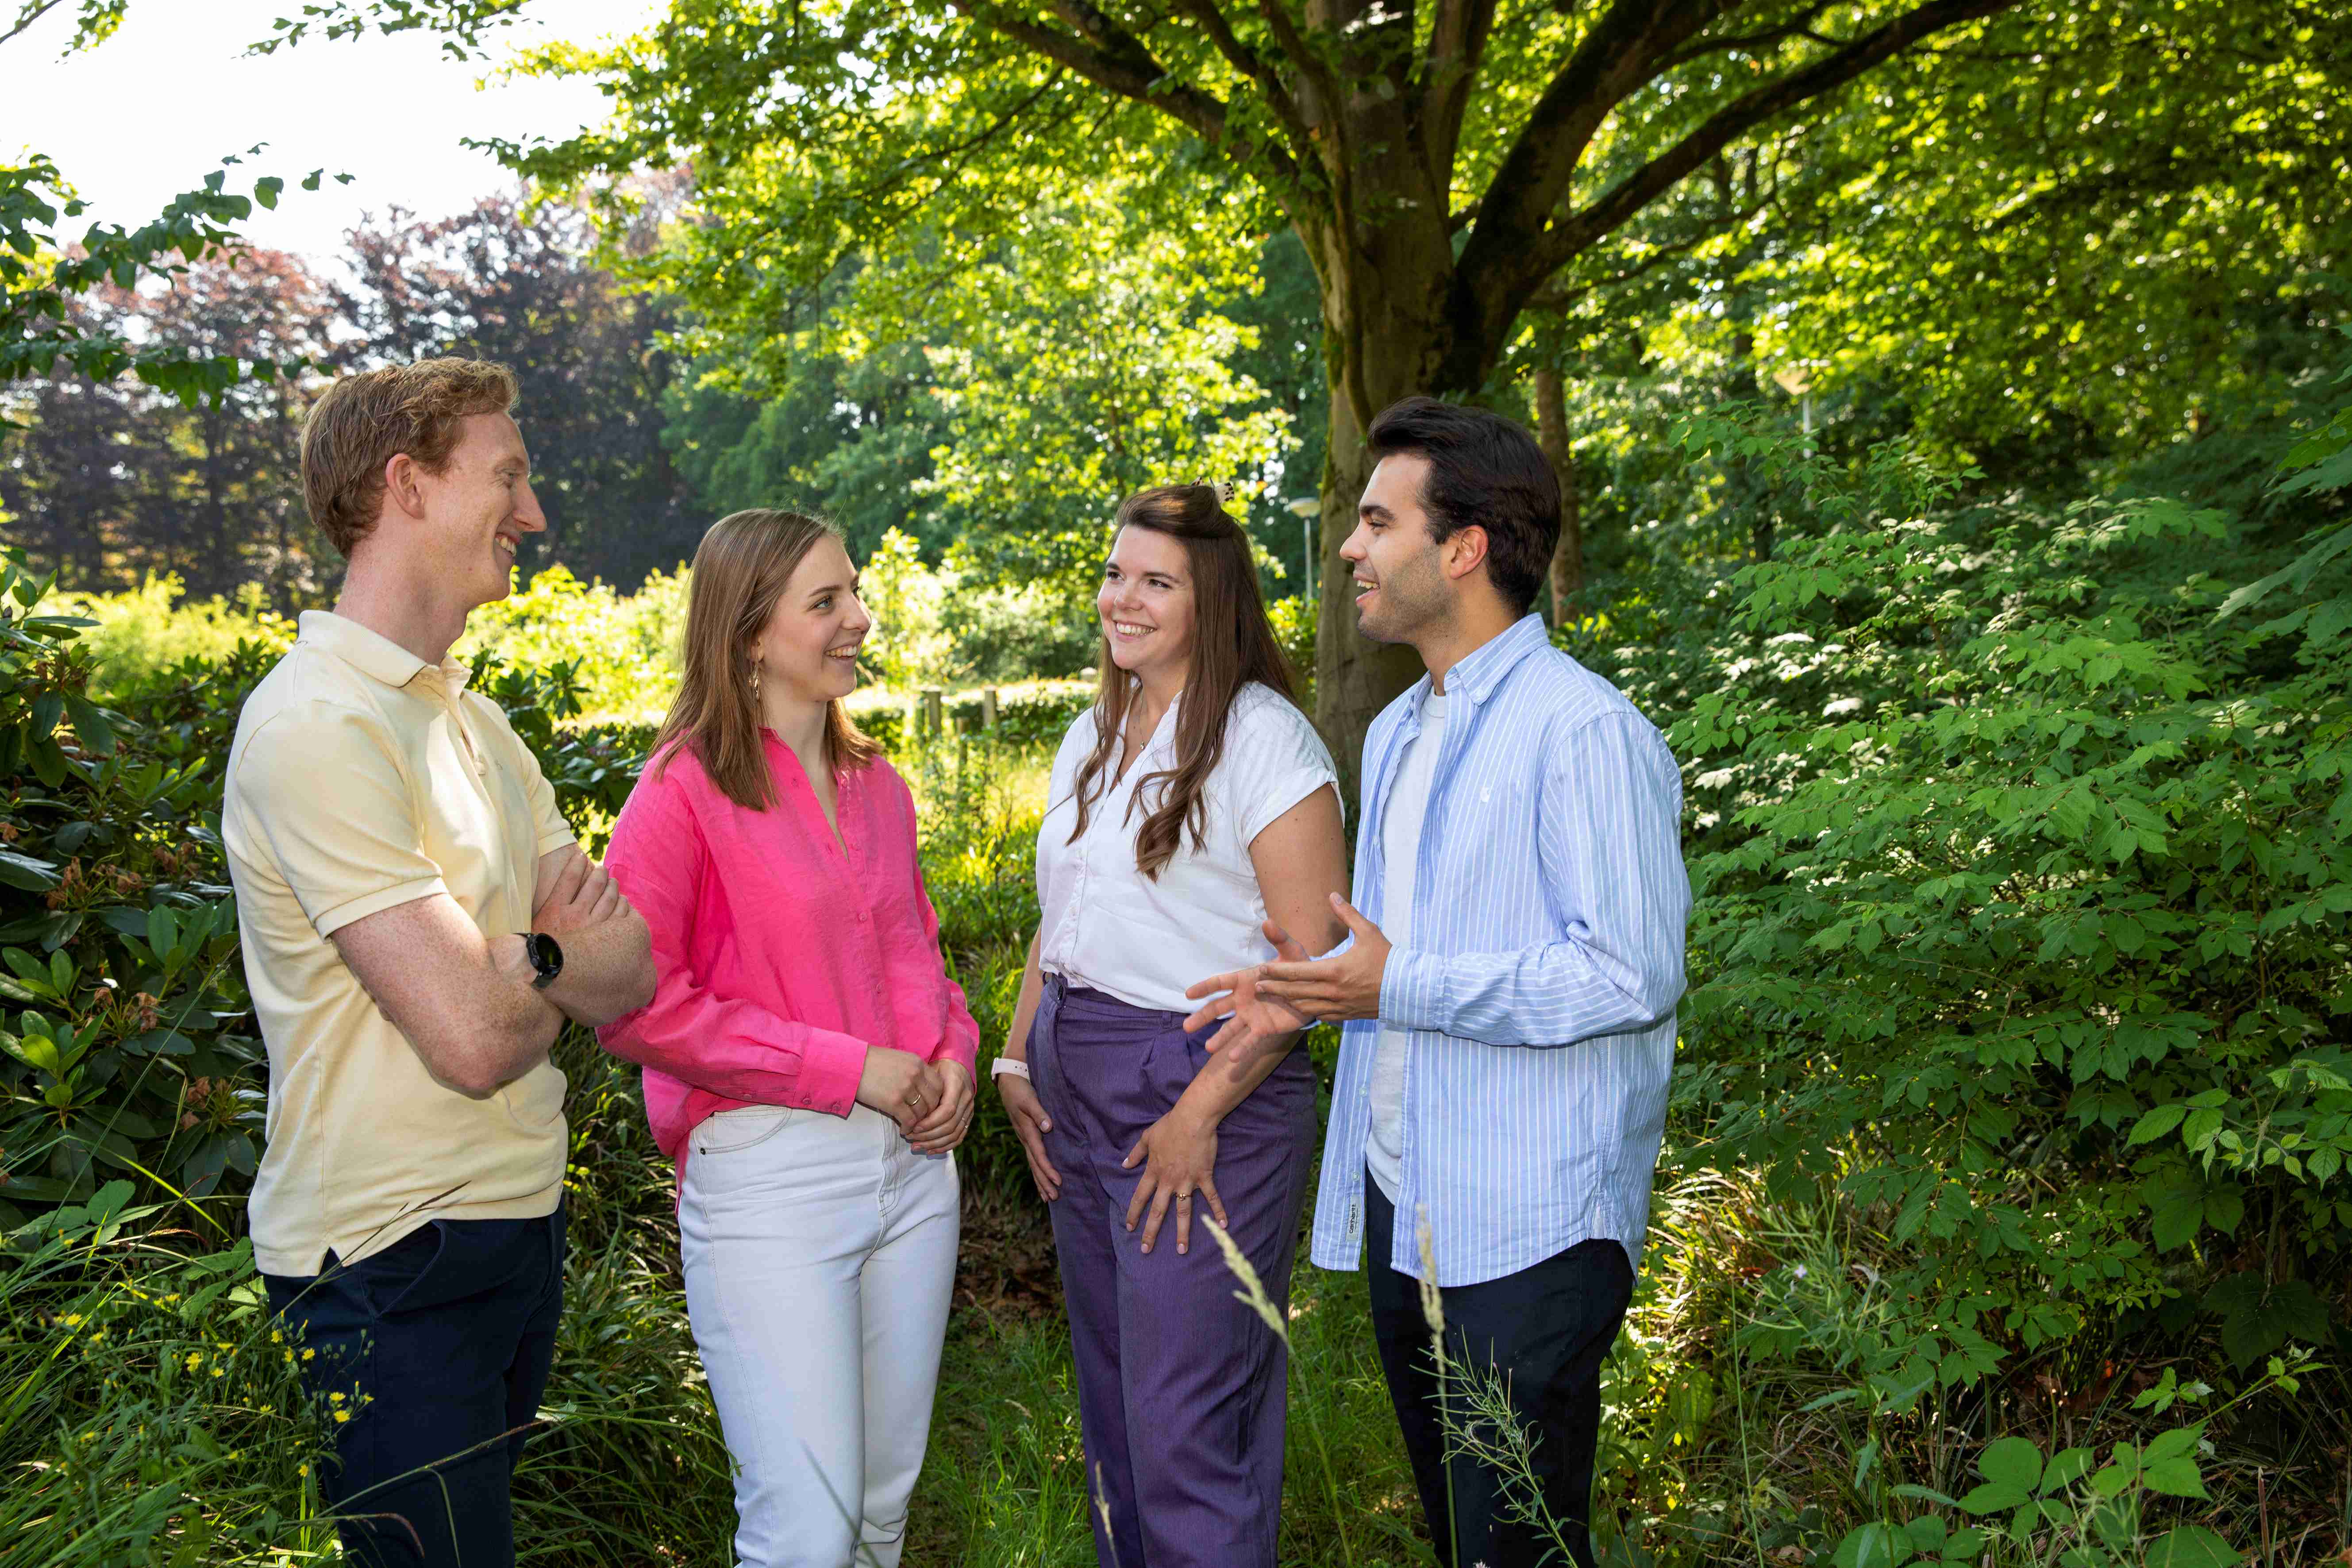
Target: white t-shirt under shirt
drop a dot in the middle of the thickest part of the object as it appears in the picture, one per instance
(1408, 804)
(1103, 925)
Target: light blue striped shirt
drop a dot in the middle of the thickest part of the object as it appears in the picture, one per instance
(1548, 917)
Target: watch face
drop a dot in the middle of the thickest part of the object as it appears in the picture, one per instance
(546, 956)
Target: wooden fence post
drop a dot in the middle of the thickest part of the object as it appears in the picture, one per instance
(988, 708)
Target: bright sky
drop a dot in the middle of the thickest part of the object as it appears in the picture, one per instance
(147, 113)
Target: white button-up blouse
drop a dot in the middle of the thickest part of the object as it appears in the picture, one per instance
(1108, 928)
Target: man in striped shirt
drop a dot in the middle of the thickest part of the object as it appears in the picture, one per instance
(1508, 987)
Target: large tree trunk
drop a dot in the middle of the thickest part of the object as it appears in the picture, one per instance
(1552, 434)
(1385, 337)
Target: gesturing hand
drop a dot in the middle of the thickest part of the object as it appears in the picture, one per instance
(1345, 986)
(1030, 1124)
(1180, 1155)
(1254, 1020)
(943, 1127)
(899, 1084)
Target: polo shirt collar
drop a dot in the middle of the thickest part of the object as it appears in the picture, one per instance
(1483, 668)
(372, 654)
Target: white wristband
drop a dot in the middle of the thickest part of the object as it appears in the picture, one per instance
(1012, 1065)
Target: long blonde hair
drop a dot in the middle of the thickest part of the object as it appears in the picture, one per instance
(741, 569)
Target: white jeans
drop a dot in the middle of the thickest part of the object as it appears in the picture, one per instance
(820, 1261)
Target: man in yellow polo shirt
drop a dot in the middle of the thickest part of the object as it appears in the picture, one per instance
(417, 925)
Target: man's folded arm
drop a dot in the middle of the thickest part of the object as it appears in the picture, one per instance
(464, 1001)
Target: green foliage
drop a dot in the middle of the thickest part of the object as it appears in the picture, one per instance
(153, 1412)
(2027, 887)
(134, 636)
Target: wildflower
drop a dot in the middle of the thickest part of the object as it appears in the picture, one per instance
(277, 1337)
(193, 1358)
(1800, 1272)
(308, 1353)
(341, 1416)
(302, 1469)
(335, 1398)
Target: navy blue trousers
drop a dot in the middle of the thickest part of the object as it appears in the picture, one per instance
(1180, 1387)
(1546, 1331)
(439, 1346)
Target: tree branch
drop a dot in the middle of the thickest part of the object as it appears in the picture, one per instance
(1457, 48)
(33, 12)
(1247, 60)
(1799, 26)
(1621, 52)
(1559, 296)
(1574, 233)
(1115, 60)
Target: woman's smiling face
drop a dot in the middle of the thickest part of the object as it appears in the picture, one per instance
(809, 647)
(1146, 603)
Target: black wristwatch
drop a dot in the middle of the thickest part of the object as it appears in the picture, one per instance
(546, 958)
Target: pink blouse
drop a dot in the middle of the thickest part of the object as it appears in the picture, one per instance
(780, 957)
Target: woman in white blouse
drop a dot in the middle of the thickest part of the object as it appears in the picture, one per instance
(1192, 814)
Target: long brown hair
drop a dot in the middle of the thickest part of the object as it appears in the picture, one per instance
(741, 569)
(1233, 645)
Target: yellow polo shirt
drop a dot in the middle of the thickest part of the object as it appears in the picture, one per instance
(362, 778)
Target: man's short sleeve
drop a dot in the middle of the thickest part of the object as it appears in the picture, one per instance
(547, 817)
(320, 791)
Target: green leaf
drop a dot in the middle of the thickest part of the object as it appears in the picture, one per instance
(2191, 1546)
(1874, 1546)
(2173, 1478)
(2013, 1462)
(24, 872)
(2156, 1123)
(90, 724)
(1994, 1497)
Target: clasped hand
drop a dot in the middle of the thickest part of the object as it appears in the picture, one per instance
(930, 1101)
(1263, 1005)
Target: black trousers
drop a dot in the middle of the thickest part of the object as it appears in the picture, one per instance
(1545, 1331)
(438, 1348)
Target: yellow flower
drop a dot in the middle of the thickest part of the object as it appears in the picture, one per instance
(341, 1415)
(193, 1359)
(277, 1338)
(308, 1354)
(335, 1398)
(217, 1372)
(302, 1469)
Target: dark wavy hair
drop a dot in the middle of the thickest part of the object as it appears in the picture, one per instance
(1484, 471)
(1233, 645)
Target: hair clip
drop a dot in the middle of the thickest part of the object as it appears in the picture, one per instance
(1223, 488)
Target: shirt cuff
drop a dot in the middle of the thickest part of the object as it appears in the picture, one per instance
(830, 1066)
(1412, 989)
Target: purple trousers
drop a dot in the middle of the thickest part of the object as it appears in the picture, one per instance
(1180, 1387)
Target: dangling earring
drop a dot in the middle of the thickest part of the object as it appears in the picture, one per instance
(755, 683)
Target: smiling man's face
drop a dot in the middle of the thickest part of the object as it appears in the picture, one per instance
(480, 505)
(1400, 585)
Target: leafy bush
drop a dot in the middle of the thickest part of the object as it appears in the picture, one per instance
(135, 635)
(2026, 902)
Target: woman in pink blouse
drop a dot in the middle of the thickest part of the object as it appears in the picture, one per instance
(808, 1062)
